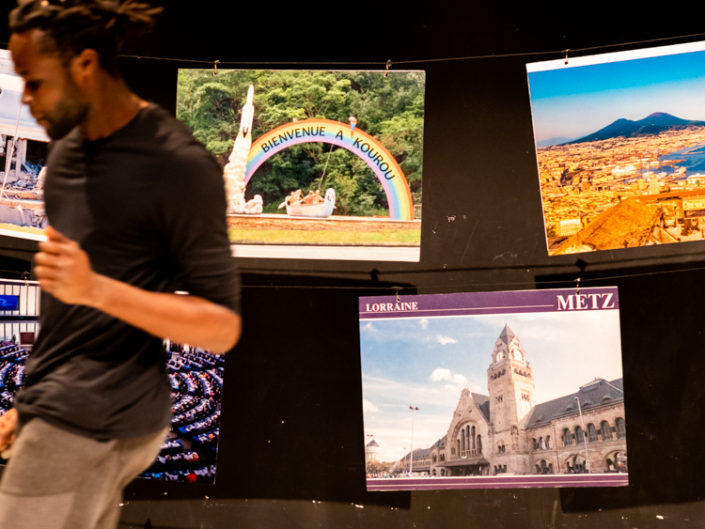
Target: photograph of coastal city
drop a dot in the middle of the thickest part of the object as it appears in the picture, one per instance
(620, 145)
(493, 390)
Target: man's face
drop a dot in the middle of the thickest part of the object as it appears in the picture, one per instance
(53, 97)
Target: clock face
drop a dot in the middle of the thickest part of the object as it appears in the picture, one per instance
(517, 353)
(500, 356)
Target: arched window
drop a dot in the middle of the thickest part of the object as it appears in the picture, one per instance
(536, 445)
(472, 436)
(548, 442)
(606, 431)
(462, 441)
(579, 435)
(542, 443)
(544, 467)
(592, 433)
(567, 438)
(479, 444)
(621, 428)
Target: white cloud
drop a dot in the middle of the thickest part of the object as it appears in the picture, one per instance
(424, 323)
(442, 374)
(445, 340)
(368, 327)
(368, 407)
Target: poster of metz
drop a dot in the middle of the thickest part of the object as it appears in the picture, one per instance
(23, 149)
(317, 164)
(493, 390)
(620, 142)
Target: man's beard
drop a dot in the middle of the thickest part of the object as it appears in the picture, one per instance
(66, 116)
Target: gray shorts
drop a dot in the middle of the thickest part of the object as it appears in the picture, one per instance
(60, 480)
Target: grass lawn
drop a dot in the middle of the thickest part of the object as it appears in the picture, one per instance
(391, 237)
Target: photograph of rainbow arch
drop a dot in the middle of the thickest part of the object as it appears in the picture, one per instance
(317, 164)
(620, 145)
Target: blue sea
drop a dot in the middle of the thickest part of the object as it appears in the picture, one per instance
(693, 159)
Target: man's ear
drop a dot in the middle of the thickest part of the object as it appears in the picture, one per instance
(84, 66)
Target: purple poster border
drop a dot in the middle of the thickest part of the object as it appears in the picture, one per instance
(498, 482)
(476, 303)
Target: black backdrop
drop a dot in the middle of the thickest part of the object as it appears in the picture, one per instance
(291, 450)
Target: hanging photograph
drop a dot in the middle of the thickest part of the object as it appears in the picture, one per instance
(620, 145)
(317, 164)
(23, 152)
(189, 451)
(493, 390)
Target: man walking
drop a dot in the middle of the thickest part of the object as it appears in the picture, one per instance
(137, 211)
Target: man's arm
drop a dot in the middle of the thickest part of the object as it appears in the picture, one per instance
(64, 270)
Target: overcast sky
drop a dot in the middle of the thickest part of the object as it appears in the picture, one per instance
(426, 362)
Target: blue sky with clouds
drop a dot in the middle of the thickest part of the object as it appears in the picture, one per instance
(577, 100)
(426, 362)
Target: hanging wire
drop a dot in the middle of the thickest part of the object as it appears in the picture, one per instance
(544, 270)
(384, 64)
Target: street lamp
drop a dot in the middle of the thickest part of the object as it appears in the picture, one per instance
(411, 453)
(582, 425)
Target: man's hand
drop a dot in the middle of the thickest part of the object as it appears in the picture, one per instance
(8, 427)
(64, 270)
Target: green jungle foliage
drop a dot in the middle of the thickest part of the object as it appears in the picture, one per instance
(390, 109)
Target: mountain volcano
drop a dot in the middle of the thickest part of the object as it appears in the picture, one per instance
(651, 124)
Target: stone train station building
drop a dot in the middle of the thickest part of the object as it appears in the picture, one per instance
(506, 432)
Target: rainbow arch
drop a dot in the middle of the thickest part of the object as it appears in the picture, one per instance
(377, 157)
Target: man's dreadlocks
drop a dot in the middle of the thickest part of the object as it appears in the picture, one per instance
(71, 26)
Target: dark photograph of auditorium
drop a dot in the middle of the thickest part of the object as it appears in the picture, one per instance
(12, 357)
(196, 376)
(19, 311)
(189, 451)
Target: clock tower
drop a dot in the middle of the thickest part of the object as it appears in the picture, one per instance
(510, 382)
